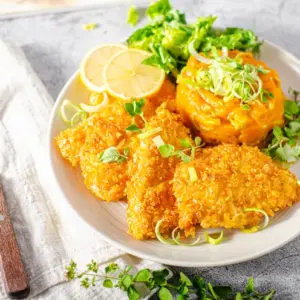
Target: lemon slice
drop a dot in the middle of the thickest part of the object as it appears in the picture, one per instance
(91, 67)
(126, 77)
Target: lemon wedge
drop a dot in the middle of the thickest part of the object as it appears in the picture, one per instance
(92, 65)
(125, 76)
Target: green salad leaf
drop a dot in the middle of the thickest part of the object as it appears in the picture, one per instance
(133, 16)
(168, 36)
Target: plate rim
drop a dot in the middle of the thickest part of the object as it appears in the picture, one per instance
(128, 249)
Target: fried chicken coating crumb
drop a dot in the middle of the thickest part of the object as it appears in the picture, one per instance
(148, 190)
(230, 179)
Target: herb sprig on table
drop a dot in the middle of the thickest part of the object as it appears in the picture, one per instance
(113, 276)
(285, 143)
(170, 38)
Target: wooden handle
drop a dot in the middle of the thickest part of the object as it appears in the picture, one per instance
(12, 268)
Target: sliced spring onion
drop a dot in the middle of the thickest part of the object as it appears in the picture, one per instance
(224, 51)
(149, 133)
(227, 77)
(77, 117)
(214, 241)
(262, 226)
(199, 57)
(176, 239)
(95, 108)
(158, 141)
(68, 105)
(193, 174)
(159, 236)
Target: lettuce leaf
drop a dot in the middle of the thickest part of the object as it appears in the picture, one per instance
(168, 35)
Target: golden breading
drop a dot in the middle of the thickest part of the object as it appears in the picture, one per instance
(230, 179)
(148, 190)
(70, 142)
(85, 142)
(105, 181)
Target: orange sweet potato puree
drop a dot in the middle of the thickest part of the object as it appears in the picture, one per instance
(217, 121)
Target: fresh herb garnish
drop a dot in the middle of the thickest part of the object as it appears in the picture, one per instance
(167, 150)
(112, 154)
(134, 108)
(167, 36)
(133, 128)
(285, 144)
(124, 279)
(133, 16)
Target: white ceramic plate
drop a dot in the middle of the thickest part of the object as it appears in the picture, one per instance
(109, 218)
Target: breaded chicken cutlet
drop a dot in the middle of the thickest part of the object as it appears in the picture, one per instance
(149, 191)
(101, 130)
(231, 178)
(83, 144)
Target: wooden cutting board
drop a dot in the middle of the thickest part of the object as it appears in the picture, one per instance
(11, 265)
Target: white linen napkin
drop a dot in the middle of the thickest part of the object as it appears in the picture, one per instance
(48, 232)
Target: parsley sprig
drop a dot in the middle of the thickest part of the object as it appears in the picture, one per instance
(168, 150)
(113, 276)
(134, 108)
(112, 154)
(285, 144)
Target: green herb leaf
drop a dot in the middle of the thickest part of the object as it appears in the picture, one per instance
(185, 279)
(250, 286)
(200, 286)
(294, 127)
(212, 292)
(185, 143)
(111, 268)
(291, 108)
(133, 16)
(132, 293)
(112, 154)
(239, 296)
(166, 150)
(223, 291)
(71, 270)
(245, 106)
(133, 128)
(184, 157)
(127, 281)
(134, 108)
(143, 276)
(108, 283)
(164, 294)
(93, 266)
(277, 132)
(286, 153)
(85, 282)
(160, 276)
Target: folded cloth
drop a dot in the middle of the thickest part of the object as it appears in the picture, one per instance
(48, 232)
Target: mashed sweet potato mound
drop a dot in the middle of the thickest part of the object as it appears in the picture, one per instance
(219, 121)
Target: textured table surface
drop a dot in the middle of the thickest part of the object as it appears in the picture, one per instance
(54, 44)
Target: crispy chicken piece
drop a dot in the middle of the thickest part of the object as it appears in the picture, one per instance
(107, 181)
(83, 144)
(70, 142)
(230, 179)
(148, 190)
